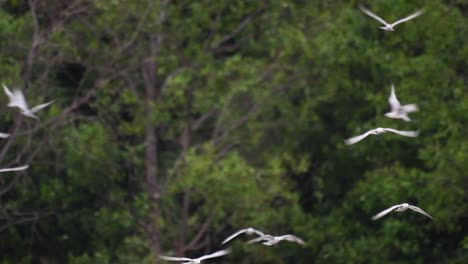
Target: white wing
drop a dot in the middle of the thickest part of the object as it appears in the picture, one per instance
(18, 100)
(215, 255)
(174, 258)
(409, 108)
(403, 133)
(384, 212)
(292, 238)
(374, 16)
(418, 13)
(356, 139)
(15, 168)
(419, 210)
(39, 107)
(8, 92)
(240, 232)
(4, 135)
(15, 98)
(393, 101)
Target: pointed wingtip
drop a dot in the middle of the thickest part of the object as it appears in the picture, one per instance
(363, 8)
(5, 88)
(5, 135)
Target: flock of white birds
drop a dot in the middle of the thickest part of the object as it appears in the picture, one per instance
(397, 111)
(268, 240)
(17, 100)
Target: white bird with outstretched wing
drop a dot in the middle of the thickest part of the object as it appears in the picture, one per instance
(400, 208)
(197, 260)
(273, 240)
(388, 26)
(379, 131)
(397, 110)
(17, 100)
(248, 231)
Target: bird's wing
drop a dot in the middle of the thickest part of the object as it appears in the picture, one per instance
(245, 230)
(14, 97)
(234, 235)
(374, 16)
(8, 92)
(39, 107)
(292, 238)
(393, 101)
(403, 133)
(419, 210)
(4, 135)
(384, 212)
(259, 233)
(216, 254)
(15, 168)
(174, 258)
(416, 14)
(356, 139)
(409, 108)
(19, 101)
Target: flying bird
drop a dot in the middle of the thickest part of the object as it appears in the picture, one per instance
(273, 240)
(247, 231)
(379, 131)
(400, 208)
(197, 260)
(399, 111)
(15, 168)
(17, 100)
(389, 27)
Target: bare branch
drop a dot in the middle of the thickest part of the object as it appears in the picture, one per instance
(201, 231)
(243, 24)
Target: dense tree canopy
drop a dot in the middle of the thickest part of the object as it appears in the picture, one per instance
(176, 123)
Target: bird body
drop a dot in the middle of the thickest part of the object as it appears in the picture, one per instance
(197, 260)
(17, 100)
(387, 26)
(401, 208)
(399, 111)
(379, 131)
